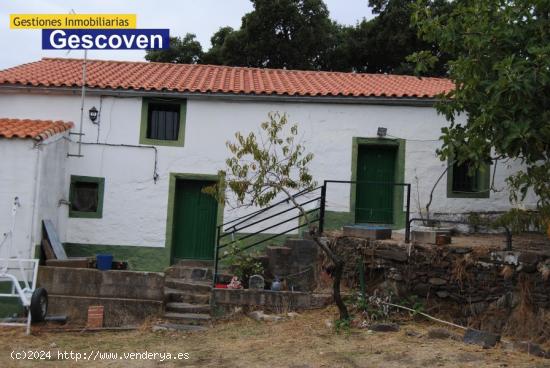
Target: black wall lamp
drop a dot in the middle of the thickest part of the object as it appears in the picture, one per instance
(93, 113)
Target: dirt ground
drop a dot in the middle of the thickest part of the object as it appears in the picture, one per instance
(303, 342)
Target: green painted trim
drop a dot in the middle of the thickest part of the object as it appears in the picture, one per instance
(215, 178)
(10, 305)
(335, 220)
(484, 182)
(139, 258)
(100, 193)
(160, 142)
(398, 213)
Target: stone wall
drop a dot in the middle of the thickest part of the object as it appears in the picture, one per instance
(128, 297)
(479, 287)
(294, 262)
(276, 301)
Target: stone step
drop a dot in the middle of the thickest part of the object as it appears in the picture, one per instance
(178, 327)
(187, 307)
(195, 263)
(188, 318)
(189, 273)
(173, 295)
(183, 284)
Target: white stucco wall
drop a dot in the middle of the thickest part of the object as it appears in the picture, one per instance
(17, 170)
(135, 209)
(36, 175)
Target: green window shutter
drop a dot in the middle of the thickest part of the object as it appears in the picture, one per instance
(484, 179)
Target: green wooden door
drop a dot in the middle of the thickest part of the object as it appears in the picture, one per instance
(194, 221)
(374, 202)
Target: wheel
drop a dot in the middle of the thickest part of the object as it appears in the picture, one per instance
(39, 305)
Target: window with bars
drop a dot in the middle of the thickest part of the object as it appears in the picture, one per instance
(163, 122)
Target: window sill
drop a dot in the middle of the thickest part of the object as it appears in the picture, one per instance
(484, 194)
(79, 214)
(161, 142)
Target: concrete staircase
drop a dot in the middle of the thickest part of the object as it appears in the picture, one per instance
(187, 289)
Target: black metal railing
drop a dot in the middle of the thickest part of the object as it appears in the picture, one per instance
(406, 186)
(261, 217)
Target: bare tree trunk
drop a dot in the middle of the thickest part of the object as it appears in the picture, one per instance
(337, 276)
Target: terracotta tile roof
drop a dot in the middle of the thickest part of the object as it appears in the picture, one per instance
(35, 129)
(145, 76)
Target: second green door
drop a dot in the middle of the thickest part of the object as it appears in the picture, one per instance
(195, 216)
(374, 202)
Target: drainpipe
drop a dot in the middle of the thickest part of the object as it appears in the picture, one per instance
(36, 196)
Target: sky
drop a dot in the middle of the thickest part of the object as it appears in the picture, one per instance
(201, 17)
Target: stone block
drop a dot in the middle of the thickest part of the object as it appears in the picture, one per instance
(399, 255)
(101, 284)
(368, 232)
(116, 312)
(526, 347)
(481, 338)
(429, 236)
(71, 262)
(270, 300)
(384, 327)
(279, 264)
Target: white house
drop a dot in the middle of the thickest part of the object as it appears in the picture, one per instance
(133, 187)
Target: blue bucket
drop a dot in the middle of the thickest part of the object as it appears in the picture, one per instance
(104, 262)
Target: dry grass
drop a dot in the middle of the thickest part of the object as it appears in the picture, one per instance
(507, 272)
(525, 322)
(303, 342)
(459, 272)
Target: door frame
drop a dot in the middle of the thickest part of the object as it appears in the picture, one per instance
(214, 178)
(398, 212)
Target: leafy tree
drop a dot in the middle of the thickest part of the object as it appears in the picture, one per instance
(501, 70)
(215, 53)
(298, 34)
(185, 50)
(382, 44)
(262, 167)
(281, 34)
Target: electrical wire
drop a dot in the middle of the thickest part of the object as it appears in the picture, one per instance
(155, 166)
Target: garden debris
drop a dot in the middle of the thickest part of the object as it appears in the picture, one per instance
(177, 327)
(481, 338)
(384, 327)
(443, 334)
(261, 316)
(526, 347)
(412, 333)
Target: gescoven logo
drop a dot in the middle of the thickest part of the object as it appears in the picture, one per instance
(105, 39)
